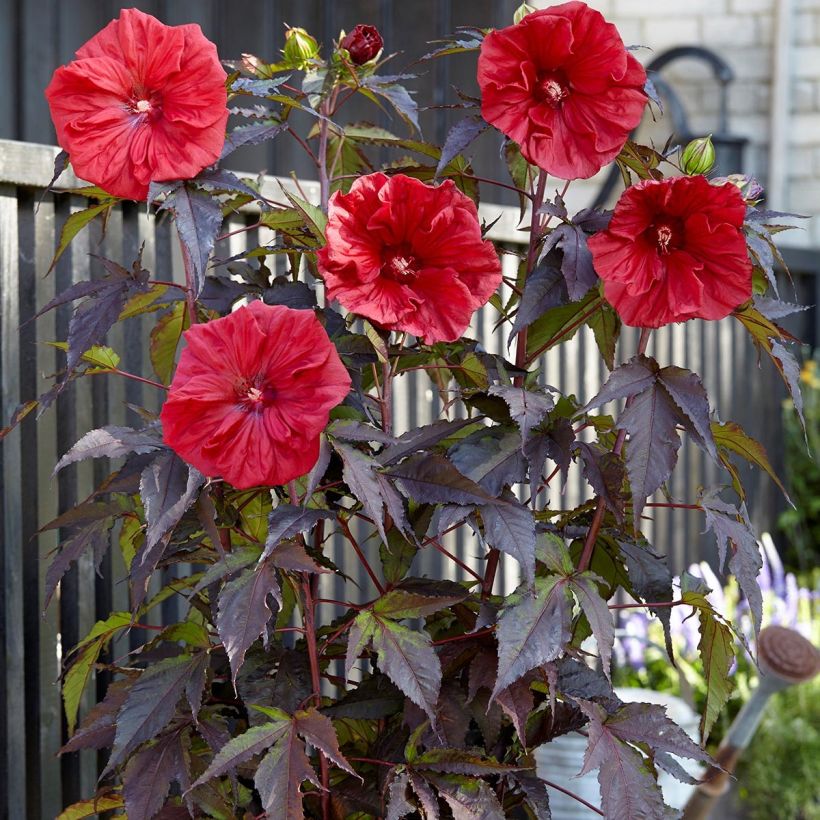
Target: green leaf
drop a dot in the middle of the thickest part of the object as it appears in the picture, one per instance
(606, 327)
(717, 651)
(584, 587)
(316, 220)
(85, 656)
(76, 222)
(92, 807)
(461, 761)
(560, 324)
(731, 436)
(165, 336)
(101, 358)
(419, 597)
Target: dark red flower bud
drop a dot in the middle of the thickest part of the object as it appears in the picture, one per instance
(363, 43)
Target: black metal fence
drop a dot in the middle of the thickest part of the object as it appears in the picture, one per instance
(34, 782)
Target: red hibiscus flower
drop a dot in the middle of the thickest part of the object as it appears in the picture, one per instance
(251, 393)
(561, 84)
(408, 256)
(673, 251)
(142, 102)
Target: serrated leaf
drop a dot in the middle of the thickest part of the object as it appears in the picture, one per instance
(492, 457)
(717, 651)
(93, 536)
(198, 218)
(560, 324)
(459, 137)
(397, 95)
(165, 338)
(790, 371)
(606, 328)
(250, 135)
(460, 761)
(510, 527)
(468, 799)
(243, 611)
(733, 532)
(111, 442)
(532, 630)
(544, 289)
(98, 726)
(147, 778)
(243, 747)
(398, 806)
(101, 358)
(651, 580)
(535, 794)
(688, 393)
(151, 704)
(405, 655)
(279, 777)
(433, 479)
(286, 521)
(318, 730)
(84, 659)
(527, 408)
(418, 598)
(731, 436)
(292, 555)
(584, 587)
(605, 473)
(372, 488)
(316, 220)
(76, 222)
(576, 265)
(92, 807)
(422, 438)
(555, 441)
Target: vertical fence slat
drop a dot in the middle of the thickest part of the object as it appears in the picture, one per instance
(12, 569)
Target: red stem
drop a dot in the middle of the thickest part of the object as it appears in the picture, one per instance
(358, 550)
(650, 604)
(574, 796)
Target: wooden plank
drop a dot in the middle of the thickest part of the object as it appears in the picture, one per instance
(12, 504)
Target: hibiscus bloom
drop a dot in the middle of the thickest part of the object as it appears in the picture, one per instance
(408, 256)
(561, 84)
(142, 102)
(251, 394)
(674, 250)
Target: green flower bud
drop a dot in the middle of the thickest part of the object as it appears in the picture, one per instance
(698, 157)
(522, 11)
(300, 48)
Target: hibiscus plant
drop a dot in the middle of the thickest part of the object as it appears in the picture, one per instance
(413, 696)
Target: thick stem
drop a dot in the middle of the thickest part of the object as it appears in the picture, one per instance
(315, 677)
(600, 508)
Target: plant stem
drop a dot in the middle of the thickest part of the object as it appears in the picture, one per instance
(574, 796)
(117, 372)
(358, 550)
(316, 681)
(600, 509)
(387, 397)
(190, 296)
(650, 604)
(520, 347)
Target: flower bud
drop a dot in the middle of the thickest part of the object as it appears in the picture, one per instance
(698, 157)
(300, 48)
(522, 11)
(363, 44)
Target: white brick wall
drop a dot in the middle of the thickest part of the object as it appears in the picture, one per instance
(742, 32)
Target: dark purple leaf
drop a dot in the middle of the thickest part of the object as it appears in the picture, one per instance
(492, 457)
(280, 775)
(250, 135)
(318, 730)
(733, 530)
(147, 778)
(651, 580)
(427, 798)
(688, 393)
(576, 266)
(350, 430)
(790, 370)
(459, 761)
(291, 555)
(111, 442)
(578, 680)
(459, 137)
(535, 794)
(554, 441)
(406, 656)
(99, 725)
(510, 527)
(418, 598)
(398, 806)
(397, 95)
(319, 469)
(545, 288)
(224, 181)
(94, 535)
(468, 799)
(517, 702)
(373, 489)
(584, 587)
(168, 487)
(605, 473)
(92, 320)
(150, 705)
(421, 438)
(243, 611)
(198, 218)
(527, 408)
(774, 309)
(532, 630)
(286, 521)
(432, 479)
(630, 379)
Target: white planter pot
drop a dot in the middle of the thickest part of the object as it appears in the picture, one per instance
(562, 759)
